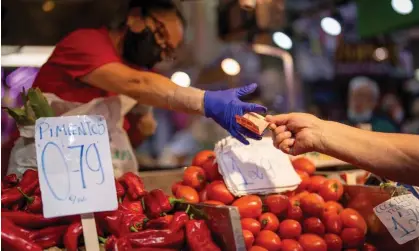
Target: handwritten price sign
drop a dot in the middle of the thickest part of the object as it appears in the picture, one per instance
(75, 165)
(401, 217)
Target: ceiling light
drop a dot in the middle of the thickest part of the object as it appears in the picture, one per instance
(282, 40)
(181, 78)
(48, 6)
(380, 54)
(403, 7)
(230, 66)
(331, 26)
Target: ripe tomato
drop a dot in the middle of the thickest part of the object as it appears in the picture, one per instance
(211, 169)
(291, 245)
(312, 242)
(175, 187)
(268, 240)
(213, 202)
(290, 229)
(269, 221)
(312, 204)
(248, 238)
(217, 190)
(374, 225)
(369, 247)
(333, 223)
(305, 165)
(296, 199)
(252, 225)
(187, 193)
(203, 156)
(250, 206)
(194, 176)
(314, 225)
(277, 203)
(257, 248)
(332, 189)
(352, 237)
(334, 242)
(352, 219)
(332, 207)
(295, 213)
(305, 181)
(316, 182)
(203, 194)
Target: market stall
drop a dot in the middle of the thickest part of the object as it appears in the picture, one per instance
(208, 208)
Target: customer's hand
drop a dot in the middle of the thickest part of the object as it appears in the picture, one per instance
(296, 133)
(223, 106)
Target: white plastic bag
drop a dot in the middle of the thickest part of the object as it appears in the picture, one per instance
(114, 109)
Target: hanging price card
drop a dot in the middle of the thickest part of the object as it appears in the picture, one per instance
(75, 165)
(400, 215)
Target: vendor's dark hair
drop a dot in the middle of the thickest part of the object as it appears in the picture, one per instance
(146, 6)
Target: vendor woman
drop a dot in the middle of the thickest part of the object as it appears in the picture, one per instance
(92, 63)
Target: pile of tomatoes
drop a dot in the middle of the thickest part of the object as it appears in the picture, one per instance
(307, 219)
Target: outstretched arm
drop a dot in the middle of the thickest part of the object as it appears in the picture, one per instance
(394, 156)
(156, 90)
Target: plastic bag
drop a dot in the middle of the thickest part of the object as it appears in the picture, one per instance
(114, 109)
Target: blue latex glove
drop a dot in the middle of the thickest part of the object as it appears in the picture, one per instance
(223, 106)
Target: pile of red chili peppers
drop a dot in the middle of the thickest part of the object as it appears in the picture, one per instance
(144, 221)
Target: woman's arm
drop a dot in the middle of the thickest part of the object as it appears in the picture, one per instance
(147, 87)
(395, 156)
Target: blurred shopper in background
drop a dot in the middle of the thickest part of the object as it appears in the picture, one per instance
(363, 98)
(390, 155)
(412, 125)
(392, 107)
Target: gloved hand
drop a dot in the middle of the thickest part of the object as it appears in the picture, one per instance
(222, 106)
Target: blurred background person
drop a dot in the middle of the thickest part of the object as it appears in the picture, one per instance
(363, 98)
(412, 125)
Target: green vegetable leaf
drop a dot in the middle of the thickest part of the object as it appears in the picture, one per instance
(39, 104)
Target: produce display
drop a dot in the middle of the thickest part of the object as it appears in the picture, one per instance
(144, 220)
(311, 218)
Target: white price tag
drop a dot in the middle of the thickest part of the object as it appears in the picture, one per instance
(74, 165)
(400, 215)
(258, 168)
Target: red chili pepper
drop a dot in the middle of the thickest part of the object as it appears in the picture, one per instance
(152, 206)
(113, 222)
(156, 203)
(35, 221)
(157, 239)
(154, 249)
(18, 205)
(34, 203)
(10, 180)
(132, 223)
(37, 191)
(160, 223)
(49, 237)
(47, 231)
(13, 239)
(179, 221)
(132, 206)
(122, 244)
(133, 185)
(163, 199)
(199, 236)
(120, 190)
(108, 242)
(28, 184)
(71, 236)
